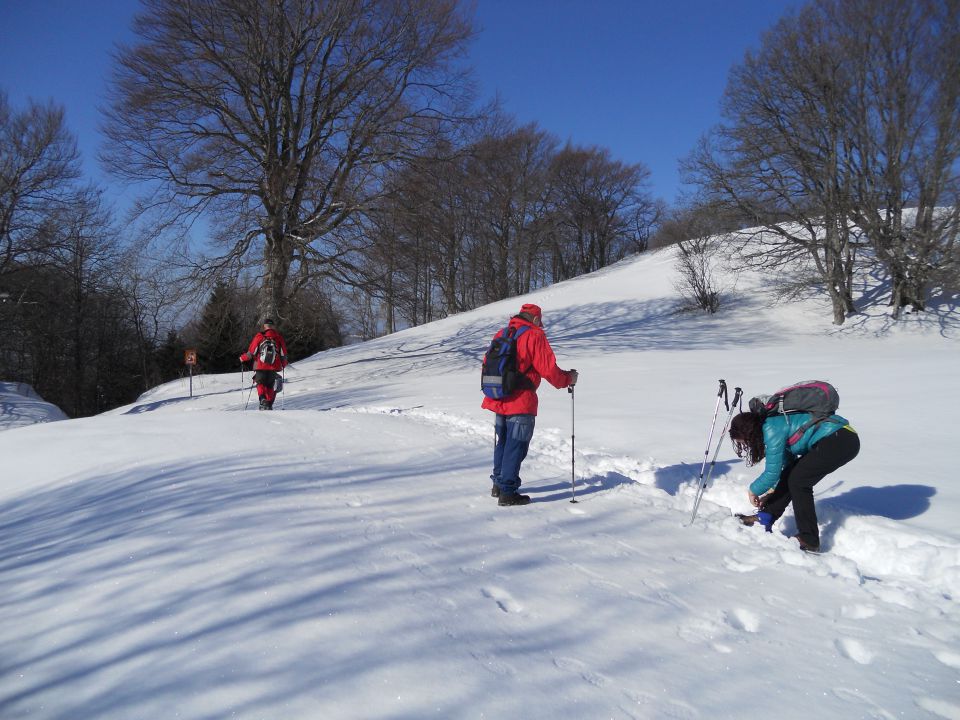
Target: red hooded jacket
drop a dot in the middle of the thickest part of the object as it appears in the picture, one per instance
(536, 360)
(251, 353)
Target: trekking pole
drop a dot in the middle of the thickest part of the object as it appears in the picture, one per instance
(721, 395)
(252, 386)
(737, 393)
(573, 452)
(283, 385)
(242, 386)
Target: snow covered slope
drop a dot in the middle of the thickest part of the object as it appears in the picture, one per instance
(341, 557)
(20, 406)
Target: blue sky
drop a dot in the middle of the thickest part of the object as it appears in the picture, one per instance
(643, 78)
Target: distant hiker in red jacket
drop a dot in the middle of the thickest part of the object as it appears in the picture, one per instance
(268, 350)
(516, 413)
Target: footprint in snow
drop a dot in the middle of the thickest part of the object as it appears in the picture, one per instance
(865, 707)
(494, 665)
(573, 665)
(425, 596)
(504, 600)
(428, 540)
(784, 604)
(699, 630)
(610, 587)
(950, 659)
(939, 707)
(743, 620)
(672, 709)
(412, 560)
(735, 564)
(857, 612)
(855, 650)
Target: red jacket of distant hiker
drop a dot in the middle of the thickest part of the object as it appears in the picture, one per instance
(535, 359)
(251, 353)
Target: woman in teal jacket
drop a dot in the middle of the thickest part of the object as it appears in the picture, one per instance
(791, 470)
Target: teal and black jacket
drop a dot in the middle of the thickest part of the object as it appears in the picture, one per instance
(777, 429)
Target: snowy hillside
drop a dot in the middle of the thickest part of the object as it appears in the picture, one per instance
(21, 406)
(341, 557)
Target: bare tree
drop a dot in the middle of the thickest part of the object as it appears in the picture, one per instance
(458, 228)
(777, 159)
(905, 125)
(72, 337)
(831, 131)
(509, 187)
(277, 119)
(697, 231)
(600, 208)
(38, 166)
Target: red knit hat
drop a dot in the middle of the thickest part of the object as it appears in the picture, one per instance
(533, 310)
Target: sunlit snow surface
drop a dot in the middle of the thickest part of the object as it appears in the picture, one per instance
(341, 557)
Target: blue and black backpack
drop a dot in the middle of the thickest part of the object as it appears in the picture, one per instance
(500, 377)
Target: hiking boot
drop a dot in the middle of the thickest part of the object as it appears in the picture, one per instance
(513, 499)
(495, 491)
(264, 405)
(807, 547)
(748, 520)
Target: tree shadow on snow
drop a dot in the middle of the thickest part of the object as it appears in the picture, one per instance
(189, 545)
(579, 330)
(157, 404)
(875, 314)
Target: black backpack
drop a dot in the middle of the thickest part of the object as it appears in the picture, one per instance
(500, 377)
(267, 350)
(817, 397)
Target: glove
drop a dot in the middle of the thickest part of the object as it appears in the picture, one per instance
(244, 359)
(765, 519)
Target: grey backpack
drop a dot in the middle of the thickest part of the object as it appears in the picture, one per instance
(817, 397)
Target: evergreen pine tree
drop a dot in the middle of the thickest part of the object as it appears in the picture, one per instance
(220, 334)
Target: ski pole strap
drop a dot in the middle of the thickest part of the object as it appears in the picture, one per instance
(722, 392)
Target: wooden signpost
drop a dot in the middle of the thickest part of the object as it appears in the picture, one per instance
(190, 358)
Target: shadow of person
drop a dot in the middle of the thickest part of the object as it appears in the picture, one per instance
(672, 477)
(895, 502)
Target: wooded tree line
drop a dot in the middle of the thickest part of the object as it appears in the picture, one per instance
(351, 185)
(499, 216)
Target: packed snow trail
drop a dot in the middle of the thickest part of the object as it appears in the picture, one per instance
(300, 571)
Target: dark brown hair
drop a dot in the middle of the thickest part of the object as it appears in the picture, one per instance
(746, 433)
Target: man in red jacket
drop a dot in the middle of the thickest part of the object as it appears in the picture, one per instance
(516, 414)
(268, 350)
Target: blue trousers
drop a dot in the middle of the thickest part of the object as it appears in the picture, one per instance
(514, 433)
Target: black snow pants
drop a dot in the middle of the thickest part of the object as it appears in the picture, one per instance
(797, 481)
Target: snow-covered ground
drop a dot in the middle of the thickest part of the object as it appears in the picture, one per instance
(21, 406)
(341, 557)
